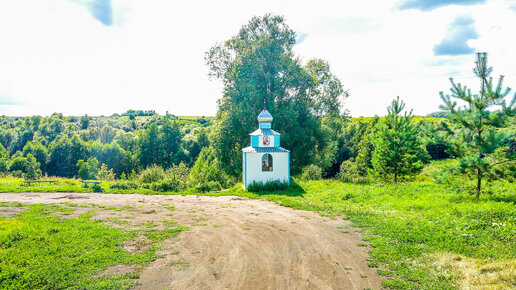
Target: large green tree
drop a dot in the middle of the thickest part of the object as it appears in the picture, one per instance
(39, 151)
(64, 153)
(397, 149)
(258, 69)
(327, 91)
(479, 122)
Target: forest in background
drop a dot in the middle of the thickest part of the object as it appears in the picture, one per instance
(144, 148)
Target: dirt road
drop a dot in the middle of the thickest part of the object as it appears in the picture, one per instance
(236, 243)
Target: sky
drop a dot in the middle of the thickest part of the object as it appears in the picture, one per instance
(100, 57)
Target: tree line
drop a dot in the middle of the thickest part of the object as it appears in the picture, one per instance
(60, 145)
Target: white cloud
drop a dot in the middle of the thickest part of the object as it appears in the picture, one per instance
(56, 57)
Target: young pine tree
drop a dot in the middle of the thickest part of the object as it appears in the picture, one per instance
(397, 150)
(479, 122)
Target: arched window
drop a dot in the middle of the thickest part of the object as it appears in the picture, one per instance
(267, 162)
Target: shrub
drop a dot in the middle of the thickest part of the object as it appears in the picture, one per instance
(97, 188)
(348, 171)
(208, 186)
(17, 173)
(312, 172)
(4, 165)
(179, 172)
(152, 174)
(88, 169)
(167, 185)
(124, 185)
(18, 164)
(32, 171)
(450, 176)
(105, 173)
(267, 186)
(208, 168)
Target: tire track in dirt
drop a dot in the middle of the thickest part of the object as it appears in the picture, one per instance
(237, 243)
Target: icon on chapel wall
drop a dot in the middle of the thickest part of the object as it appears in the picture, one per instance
(265, 140)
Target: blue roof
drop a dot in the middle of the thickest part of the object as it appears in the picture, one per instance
(265, 116)
(264, 149)
(265, 132)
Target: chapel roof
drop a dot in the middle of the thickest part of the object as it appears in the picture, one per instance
(265, 116)
(264, 149)
(265, 132)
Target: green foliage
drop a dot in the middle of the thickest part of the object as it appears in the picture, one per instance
(18, 164)
(174, 179)
(32, 170)
(65, 153)
(139, 113)
(97, 188)
(105, 173)
(170, 143)
(59, 142)
(208, 186)
(161, 145)
(152, 174)
(149, 146)
(41, 251)
(364, 150)
(4, 154)
(107, 134)
(436, 138)
(179, 172)
(267, 186)
(479, 134)
(167, 185)
(312, 172)
(88, 169)
(348, 171)
(330, 150)
(194, 142)
(207, 169)
(258, 69)
(124, 185)
(326, 90)
(85, 121)
(27, 167)
(39, 151)
(4, 165)
(397, 149)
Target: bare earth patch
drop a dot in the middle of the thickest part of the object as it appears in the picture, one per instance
(233, 242)
(476, 273)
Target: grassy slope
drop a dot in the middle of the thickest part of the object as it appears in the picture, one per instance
(40, 251)
(410, 223)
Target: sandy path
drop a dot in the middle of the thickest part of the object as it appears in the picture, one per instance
(237, 243)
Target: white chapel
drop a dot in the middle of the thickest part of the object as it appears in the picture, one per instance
(265, 160)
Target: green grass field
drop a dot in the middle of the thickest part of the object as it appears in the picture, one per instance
(41, 250)
(424, 235)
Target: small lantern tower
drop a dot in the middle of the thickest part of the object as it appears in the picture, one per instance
(265, 160)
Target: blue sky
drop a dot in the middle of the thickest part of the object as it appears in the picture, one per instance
(107, 56)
